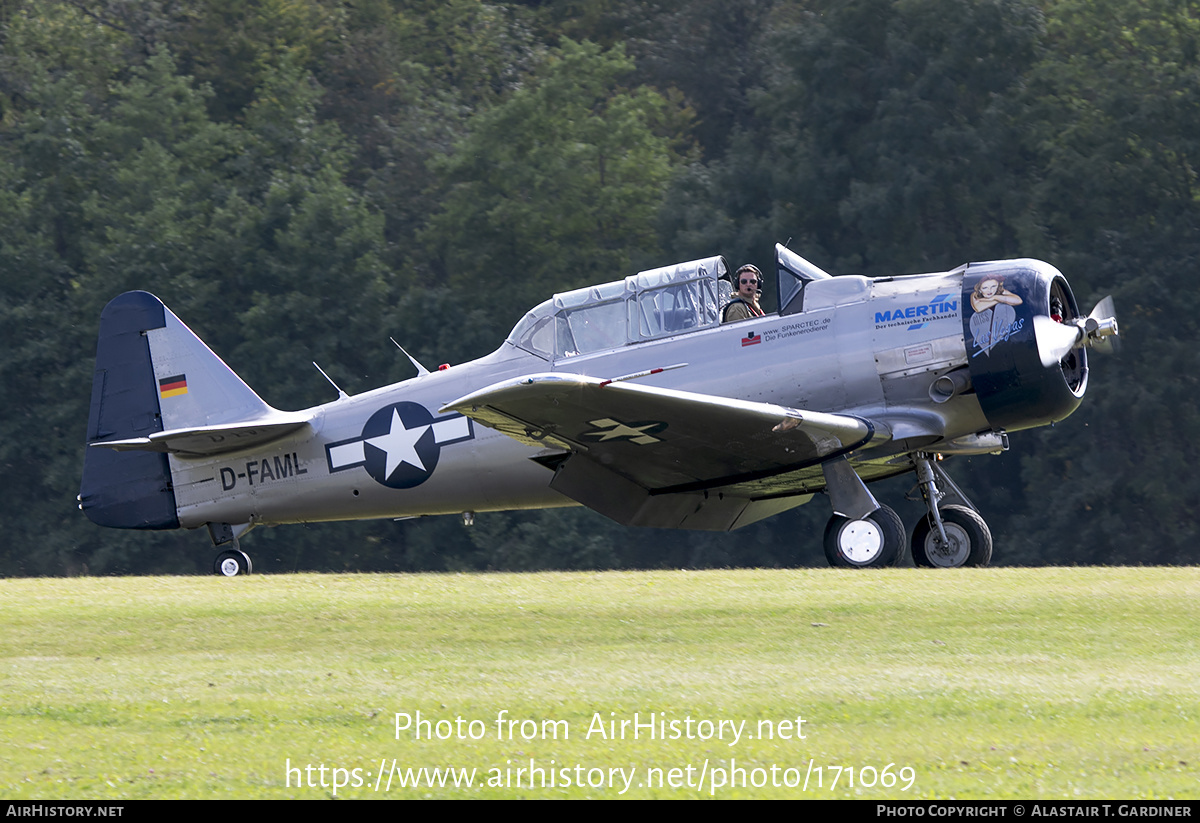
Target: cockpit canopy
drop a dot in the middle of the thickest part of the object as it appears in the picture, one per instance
(645, 306)
(649, 305)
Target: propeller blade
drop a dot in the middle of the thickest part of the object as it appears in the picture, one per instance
(1103, 333)
(1103, 309)
(1054, 340)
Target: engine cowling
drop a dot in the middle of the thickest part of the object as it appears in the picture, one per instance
(1000, 301)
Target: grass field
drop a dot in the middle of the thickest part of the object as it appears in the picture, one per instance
(996, 683)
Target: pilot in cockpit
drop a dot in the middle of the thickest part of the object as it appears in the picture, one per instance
(747, 284)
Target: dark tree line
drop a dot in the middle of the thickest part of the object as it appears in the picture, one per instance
(300, 180)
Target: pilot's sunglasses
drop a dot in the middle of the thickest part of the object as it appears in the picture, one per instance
(749, 282)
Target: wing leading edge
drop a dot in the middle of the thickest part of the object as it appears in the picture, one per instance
(662, 457)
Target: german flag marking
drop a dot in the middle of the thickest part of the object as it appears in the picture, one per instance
(172, 386)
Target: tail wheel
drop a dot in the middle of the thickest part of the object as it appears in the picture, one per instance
(969, 540)
(874, 542)
(232, 563)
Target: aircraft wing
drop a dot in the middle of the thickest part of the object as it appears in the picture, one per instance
(665, 441)
(204, 441)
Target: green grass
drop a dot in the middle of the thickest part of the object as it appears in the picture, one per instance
(996, 683)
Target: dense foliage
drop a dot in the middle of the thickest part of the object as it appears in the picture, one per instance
(300, 179)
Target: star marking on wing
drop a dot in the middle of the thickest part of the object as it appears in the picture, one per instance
(616, 430)
(400, 445)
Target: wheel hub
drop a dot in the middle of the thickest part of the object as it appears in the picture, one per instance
(954, 551)
(861, 541)
(229, 567)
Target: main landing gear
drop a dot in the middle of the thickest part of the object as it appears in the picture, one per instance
(873, 542)
(952, 534)
(232, 561)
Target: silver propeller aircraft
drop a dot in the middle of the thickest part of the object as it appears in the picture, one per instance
(631, 398)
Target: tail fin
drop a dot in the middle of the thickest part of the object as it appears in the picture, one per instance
(129, 490)
(158, 389)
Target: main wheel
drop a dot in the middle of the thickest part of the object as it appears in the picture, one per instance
(232, 562)
(874, 542)
(970, 540)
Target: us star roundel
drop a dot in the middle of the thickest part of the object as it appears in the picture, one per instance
(400, 444)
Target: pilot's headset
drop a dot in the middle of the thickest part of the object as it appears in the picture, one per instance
(737, 278)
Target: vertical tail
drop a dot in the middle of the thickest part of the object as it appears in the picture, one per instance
(152, 375)
(129, 489)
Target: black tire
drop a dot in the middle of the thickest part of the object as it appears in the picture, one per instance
(232, 563)
(969, 536)
(875, 542)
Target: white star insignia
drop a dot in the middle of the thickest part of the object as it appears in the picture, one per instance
(400, 445)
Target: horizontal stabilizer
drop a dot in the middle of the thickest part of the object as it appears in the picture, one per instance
(204, 441)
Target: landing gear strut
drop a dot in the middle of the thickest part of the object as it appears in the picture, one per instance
(950, 535)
